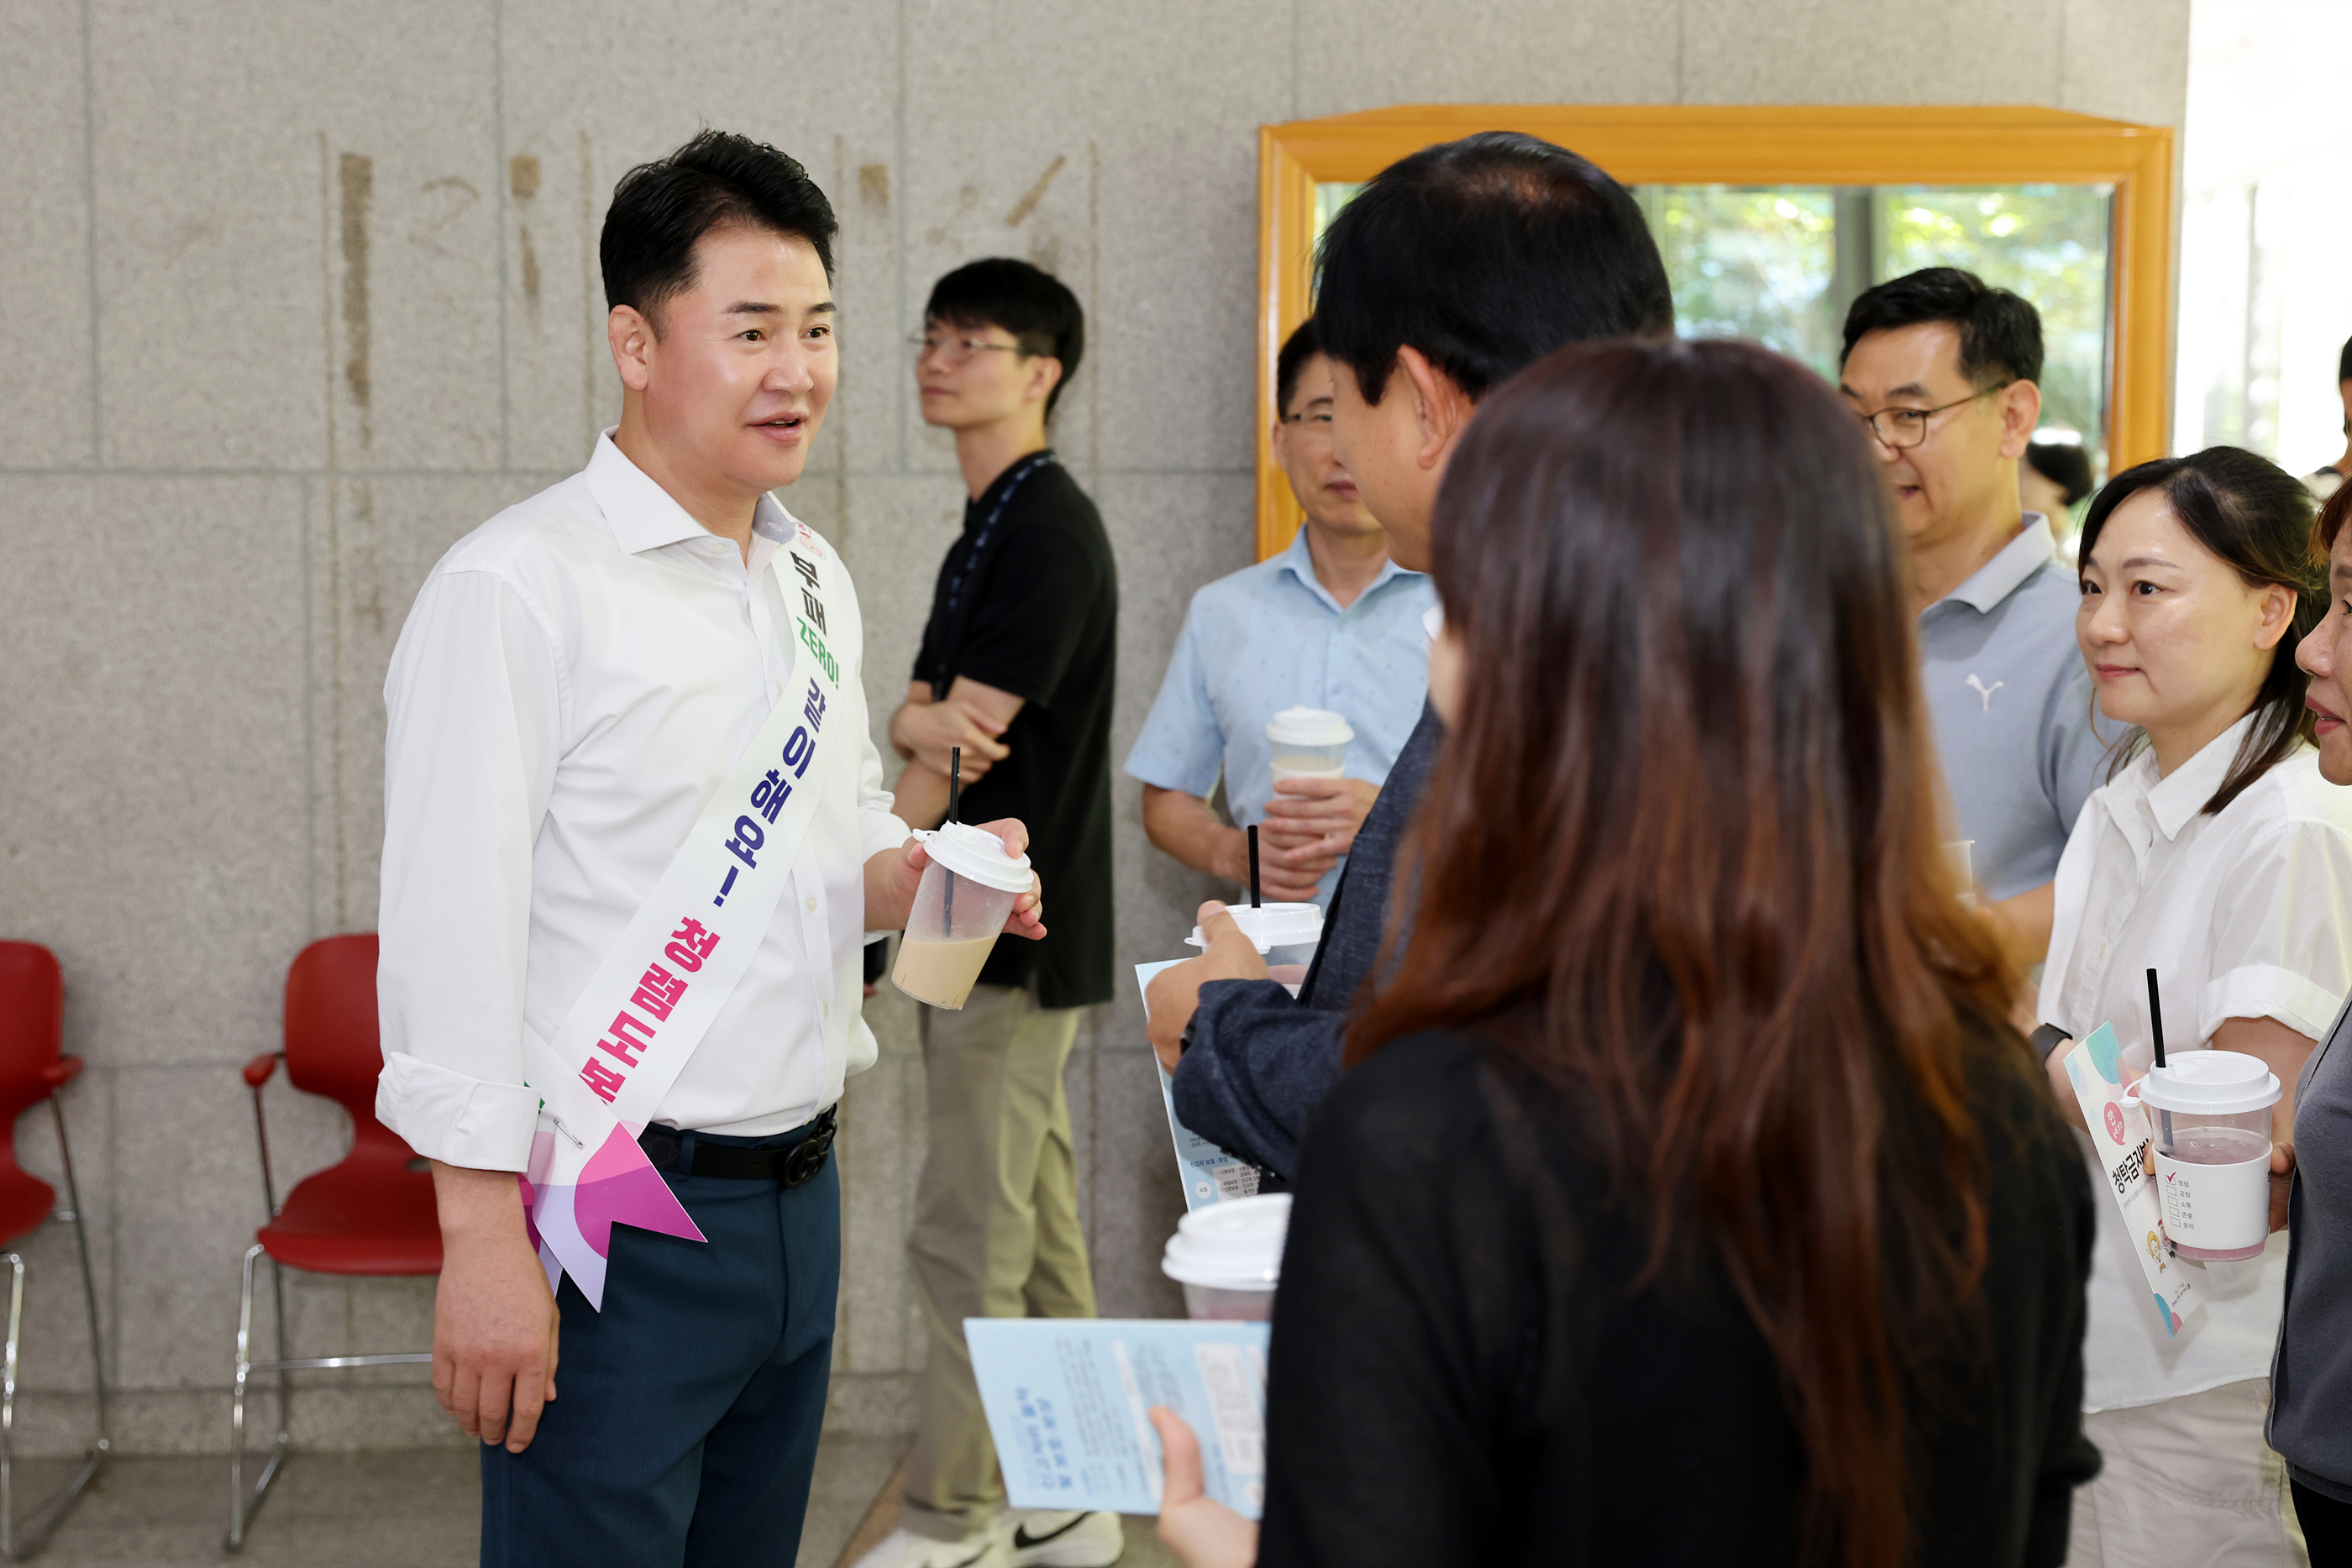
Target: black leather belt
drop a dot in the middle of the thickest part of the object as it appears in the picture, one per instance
(792, 1164)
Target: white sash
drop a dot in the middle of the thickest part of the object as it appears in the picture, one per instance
(654, 995)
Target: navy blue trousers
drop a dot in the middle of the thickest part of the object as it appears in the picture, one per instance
(685, 1417)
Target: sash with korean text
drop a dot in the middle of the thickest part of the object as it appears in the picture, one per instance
(626, 1039)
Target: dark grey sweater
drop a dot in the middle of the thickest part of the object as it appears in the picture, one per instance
(2311, 1372)
(1260, 1062)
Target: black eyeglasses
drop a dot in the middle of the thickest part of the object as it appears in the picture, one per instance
(957, 351)
(1905, 428)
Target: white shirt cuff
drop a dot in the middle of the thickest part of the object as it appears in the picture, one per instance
(2266, 992)
(879, 830)
(455, 1119)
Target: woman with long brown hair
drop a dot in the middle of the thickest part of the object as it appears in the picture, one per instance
(1689, 1200)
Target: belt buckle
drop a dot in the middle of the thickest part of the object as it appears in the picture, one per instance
(808, 1157)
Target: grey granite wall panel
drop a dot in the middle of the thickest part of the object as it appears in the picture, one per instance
(301, 292)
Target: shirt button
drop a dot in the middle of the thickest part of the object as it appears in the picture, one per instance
(812, 904)
(826, 1008)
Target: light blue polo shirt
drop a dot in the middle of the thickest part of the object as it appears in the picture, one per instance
(2012, 705)
(1268, 637)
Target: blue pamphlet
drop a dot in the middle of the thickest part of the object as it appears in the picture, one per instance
(1067, 1400)
(1211, 1175)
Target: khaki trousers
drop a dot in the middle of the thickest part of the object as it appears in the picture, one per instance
(2186, 1483)
(995, 1233)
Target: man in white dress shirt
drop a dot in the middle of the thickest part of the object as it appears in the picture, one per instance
(580, 678)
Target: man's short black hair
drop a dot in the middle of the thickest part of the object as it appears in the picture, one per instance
(1297, 349)
(2343, 363)
(2064, 464)
(1029, 302)
(719, 180)
(1486, 255)
(2001, 334)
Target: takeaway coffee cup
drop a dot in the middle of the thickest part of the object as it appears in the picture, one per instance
(1286, 935)
(2210, 1112)
(1228, 1257)
(960, 907)
(1308, 743)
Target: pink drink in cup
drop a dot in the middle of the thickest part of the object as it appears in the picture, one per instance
(2210, 1113)
(966, 895)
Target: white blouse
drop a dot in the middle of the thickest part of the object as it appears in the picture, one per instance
(2246, 913)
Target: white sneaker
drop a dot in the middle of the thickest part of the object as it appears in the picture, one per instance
(905, 1549)
(1040, 1538)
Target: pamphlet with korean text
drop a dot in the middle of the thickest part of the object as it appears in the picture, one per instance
(1066, 1401)
(1209, 1174)
(2119, 1133)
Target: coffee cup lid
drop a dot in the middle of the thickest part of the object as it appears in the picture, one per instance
(977, 856)
(1235, 1245)
(2211, 1083)
(1271, 926)
(1308, 726)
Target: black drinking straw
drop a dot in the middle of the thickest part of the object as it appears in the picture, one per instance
(955, 793)
(2155, 1033)
(1253, 842)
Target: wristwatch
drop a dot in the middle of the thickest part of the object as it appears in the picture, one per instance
(2047, 1038)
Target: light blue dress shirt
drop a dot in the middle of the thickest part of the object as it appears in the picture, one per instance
(2011, 701)
(1268, 637)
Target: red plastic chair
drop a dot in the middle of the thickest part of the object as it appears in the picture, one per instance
(373, 1213)
(32, 1031)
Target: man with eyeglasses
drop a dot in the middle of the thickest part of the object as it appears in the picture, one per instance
(1332, 623)
(1942, 369)
(1016, 668)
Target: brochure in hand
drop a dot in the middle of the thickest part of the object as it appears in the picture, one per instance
(1067, 1399)
(2119, 1133)
(1211, 1175)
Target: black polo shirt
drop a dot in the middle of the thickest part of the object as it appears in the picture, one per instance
(1027, 601)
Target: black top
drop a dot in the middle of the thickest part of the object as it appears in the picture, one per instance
(1027, 603)
(1465, 1369)
(1259, 1062)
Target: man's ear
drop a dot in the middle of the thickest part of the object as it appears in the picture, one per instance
(1440, 406)
(1044, 375)
(2021, 413)
(633, 339)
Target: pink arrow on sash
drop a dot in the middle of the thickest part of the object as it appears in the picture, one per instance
(569, 1222)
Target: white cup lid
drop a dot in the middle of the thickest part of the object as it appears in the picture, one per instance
(1271, 926)
(2211, 1083)
(1235, 1245)
(1308, 726)
(977, 856)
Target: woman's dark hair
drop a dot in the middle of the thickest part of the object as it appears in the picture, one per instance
(2257, 518)
(2332, 515)
(1029, 302)
(1683, 856)
(2001, 334)
(719, 180)
(2064, 464)
(1486, 255)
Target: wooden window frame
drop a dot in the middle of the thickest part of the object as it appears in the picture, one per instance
(1675, 144)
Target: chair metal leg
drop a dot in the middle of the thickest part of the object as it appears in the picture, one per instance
(16, 1546)
(244, 1503)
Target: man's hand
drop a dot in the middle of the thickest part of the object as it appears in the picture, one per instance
(1320, 815)
(494, 1319)
(1175, 995)
(1200, 1531)
(892, 876)
(924, 732)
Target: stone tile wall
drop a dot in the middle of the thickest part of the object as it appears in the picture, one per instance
(298, 292)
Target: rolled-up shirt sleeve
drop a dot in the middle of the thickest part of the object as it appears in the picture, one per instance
(1180, 745)
(879, 826)
(2282, 938)
(474, 707)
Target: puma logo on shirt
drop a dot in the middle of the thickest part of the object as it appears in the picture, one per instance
(1984, 691)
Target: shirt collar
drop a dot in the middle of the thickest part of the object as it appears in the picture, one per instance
(2177, 799)
(645, 516)
(2034, 548)
(978, 506)
(1299, 561)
